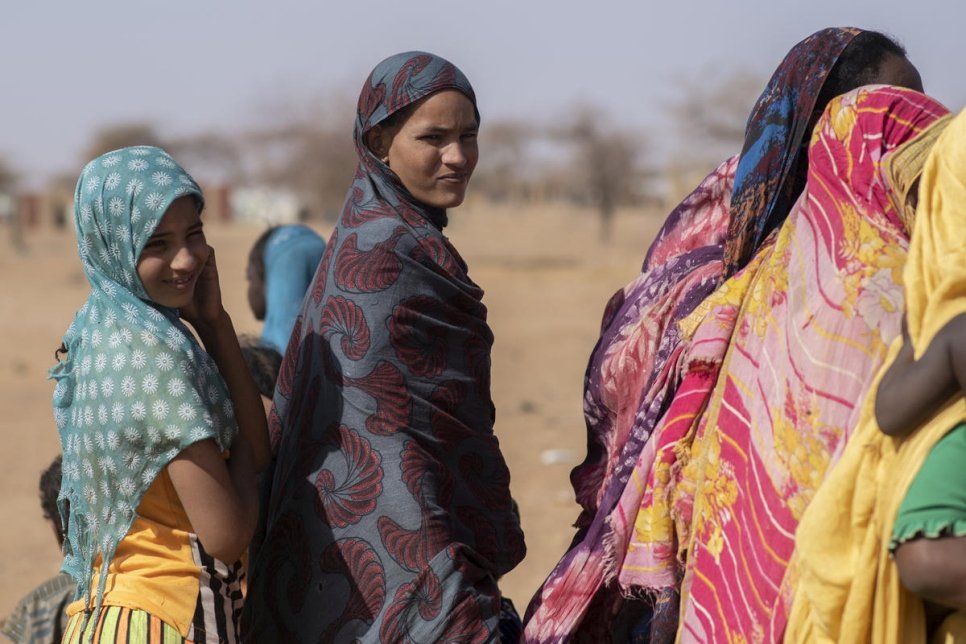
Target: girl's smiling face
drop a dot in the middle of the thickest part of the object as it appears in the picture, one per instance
(172, 259)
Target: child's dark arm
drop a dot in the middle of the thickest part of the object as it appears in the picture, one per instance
(912, 390)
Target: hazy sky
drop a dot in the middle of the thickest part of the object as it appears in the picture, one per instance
(190, 65)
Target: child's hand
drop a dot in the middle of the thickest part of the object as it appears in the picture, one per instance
(206, 306)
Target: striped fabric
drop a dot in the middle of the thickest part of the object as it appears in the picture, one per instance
(123, 625)
(220, 598)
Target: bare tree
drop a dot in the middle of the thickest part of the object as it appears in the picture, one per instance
(211, 155)
(502, 172)
(608, 160)
(709, 118)
(311, 153)
(113, 137)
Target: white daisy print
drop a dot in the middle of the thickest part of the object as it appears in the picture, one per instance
(174, 338)
(99, 440)
(102, 419)
(112, 181)
(186, 412)
(138, 410)
(134, 188)
(161, 178)
(150, 384)
(135, 218)
(110, 318)
(164, 361)
(111, 161)
(159, 409)
(116, 206)
(130, 433)
(147, 476)
(154, 201)
(117, 415)
(114, 341)
(90, 493)
(126, 335)
(154, 434)
(86, 213)
(71, 471)
(88, 444)
(88, 416)
(100, 362)
(127, 487)
(140, 151)
(132, 460)
(93, 183)
(119, 361)
(148, 338)
(155, 315)
(171, 432)
(229, 409)
(84, 246)
(176, 387)
(139, 359)
(106, 463)
(85, 363)
(95, 315)
(107, 387)
(198, 433)
(137, 165)
(110, 289)
(60, 418)
(92, 390)
(181, 190)
(105, 256)
(130, 312)
(186, 180)
(96, 338)
(164, 161)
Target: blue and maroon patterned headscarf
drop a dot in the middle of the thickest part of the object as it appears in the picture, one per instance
(768, 179)
(389, 515)
(396, 83)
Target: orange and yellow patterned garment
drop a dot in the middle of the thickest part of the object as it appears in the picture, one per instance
(779, 361)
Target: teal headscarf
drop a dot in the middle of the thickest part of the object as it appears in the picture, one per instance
(136, 388)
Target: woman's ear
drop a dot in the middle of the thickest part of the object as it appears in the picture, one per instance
(379, 140)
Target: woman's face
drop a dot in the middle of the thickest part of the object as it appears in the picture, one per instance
(171, 261)
(434, 151)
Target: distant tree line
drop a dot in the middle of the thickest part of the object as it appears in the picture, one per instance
(587, 158)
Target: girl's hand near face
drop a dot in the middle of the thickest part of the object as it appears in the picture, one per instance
(206, 307)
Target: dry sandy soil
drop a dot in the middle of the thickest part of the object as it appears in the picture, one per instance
(547, 278)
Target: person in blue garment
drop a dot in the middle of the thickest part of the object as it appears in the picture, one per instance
(281, 265)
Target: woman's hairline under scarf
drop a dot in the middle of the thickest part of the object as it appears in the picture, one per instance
(750, 219)
(362, 127)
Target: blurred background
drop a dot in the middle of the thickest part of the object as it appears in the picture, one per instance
(597, 118)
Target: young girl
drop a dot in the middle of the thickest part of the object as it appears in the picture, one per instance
(161, 440)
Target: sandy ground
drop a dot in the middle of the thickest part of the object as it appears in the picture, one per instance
(546, 276)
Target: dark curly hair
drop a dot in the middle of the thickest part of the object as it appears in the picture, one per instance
(49, 491)
(263, 362)
(859, 64)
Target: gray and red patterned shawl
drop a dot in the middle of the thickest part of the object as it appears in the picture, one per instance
(389, 516)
